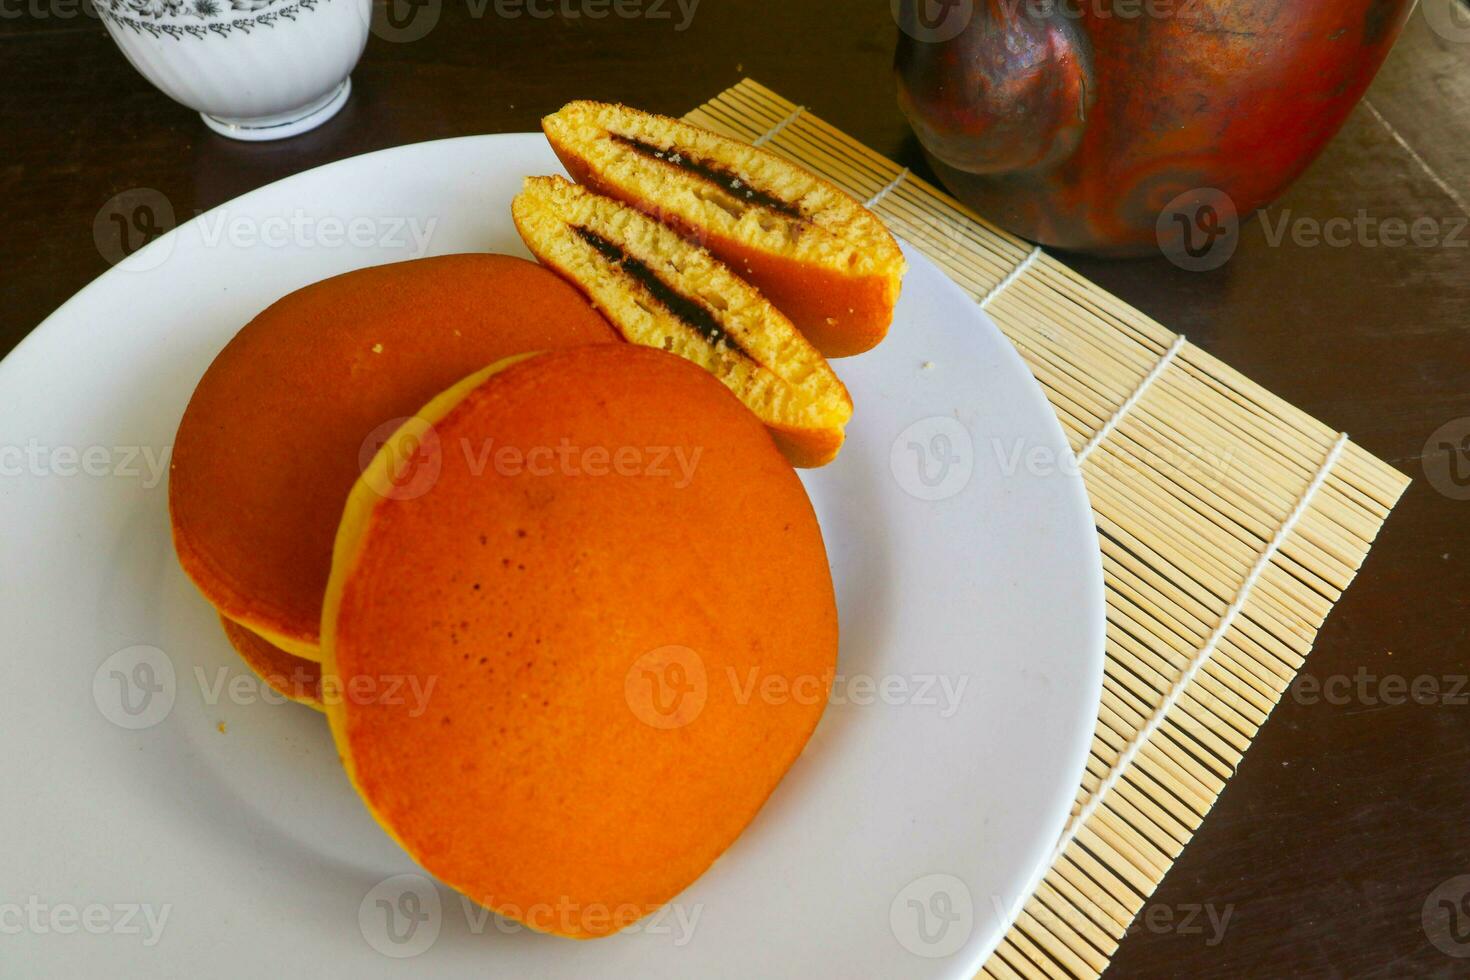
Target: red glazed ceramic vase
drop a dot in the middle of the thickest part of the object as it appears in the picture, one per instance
(1078, 123)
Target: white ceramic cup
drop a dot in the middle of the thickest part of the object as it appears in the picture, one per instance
(254, 69)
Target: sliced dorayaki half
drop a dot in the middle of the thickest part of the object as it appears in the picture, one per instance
(659, 290)
(822, 258)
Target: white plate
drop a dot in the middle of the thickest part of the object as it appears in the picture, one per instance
(964, 553)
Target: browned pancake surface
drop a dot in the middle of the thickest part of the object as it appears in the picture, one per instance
(281, 423)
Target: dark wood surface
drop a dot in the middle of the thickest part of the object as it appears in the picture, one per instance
(1344, 816)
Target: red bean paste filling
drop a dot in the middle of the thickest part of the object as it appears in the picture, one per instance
(690, 312)
(727, 180)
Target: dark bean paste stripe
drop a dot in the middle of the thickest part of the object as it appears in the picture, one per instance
(686, 309)
(728, 181)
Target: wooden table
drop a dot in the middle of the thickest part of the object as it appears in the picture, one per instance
(1343, 816)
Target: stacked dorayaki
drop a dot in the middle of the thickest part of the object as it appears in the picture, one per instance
(451, 477)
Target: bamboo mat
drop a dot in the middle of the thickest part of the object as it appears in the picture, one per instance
(1230, 523)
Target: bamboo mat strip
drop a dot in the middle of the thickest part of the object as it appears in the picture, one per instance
(1230, 523)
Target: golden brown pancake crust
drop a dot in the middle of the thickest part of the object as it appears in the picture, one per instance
(592, 630)
(295, 678)
(274, 436)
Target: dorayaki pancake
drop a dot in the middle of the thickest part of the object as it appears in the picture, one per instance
(819, 255)
(660, 290)
(605, 607)
(280, 425)
(294, 678)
